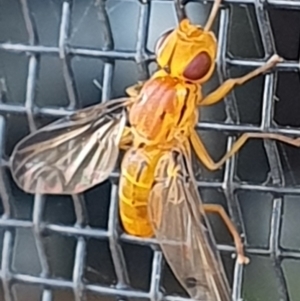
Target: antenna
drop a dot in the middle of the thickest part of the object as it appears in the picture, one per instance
(213, 15)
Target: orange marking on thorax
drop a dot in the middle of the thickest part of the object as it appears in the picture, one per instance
(157, 99)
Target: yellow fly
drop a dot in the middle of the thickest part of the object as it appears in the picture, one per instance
(156, 126)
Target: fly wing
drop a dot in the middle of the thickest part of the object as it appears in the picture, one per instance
(72, 154)
(182, 231)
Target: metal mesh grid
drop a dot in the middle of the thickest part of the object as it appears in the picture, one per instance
(9, 223)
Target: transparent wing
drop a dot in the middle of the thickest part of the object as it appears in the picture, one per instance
(72, 154)
(182, 230)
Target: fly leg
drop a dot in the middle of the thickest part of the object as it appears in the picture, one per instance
(230, 83)
(126, 139)
(210, 164)
(218, 209)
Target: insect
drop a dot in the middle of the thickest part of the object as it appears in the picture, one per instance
(155, 126)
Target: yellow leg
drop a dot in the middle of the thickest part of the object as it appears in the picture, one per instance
(229, 84)
(214, 208)
(134, 91)
(209, 163)
(126, 139)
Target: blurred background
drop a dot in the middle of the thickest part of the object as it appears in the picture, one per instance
(57, 56)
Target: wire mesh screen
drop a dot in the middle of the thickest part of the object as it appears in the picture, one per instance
(58, 56)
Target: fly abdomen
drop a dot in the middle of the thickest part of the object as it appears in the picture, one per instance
(137, 176)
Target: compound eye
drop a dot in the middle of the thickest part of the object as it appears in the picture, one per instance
(198, 67)
(160, 41)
